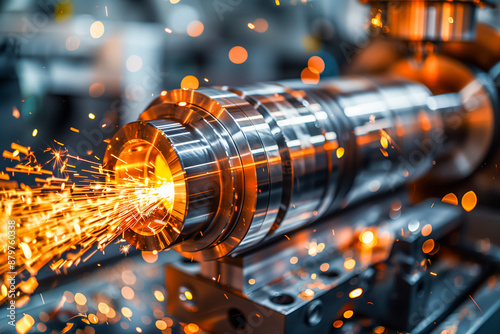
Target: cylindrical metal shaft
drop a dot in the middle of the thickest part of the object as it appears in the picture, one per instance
(248, 164)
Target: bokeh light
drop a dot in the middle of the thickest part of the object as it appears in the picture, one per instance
(261, 25)
(316, 64)
(72, 43)
(238, 55)
(428, 246)
(469, 201)
(97, 89)
(450, 198)
(190, 82)
(195, 28)
(97, 29)
(134, 63)
(308, 77)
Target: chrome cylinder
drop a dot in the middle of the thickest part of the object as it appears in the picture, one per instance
(249, 164)
(426, 20)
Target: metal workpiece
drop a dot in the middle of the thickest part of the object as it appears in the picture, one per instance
(427, 20)
(468, 100)
(248, 164)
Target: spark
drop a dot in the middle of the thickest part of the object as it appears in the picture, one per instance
(367, 237)
(340, 152)
(15, 112)
(188, 295)
(70, 213)
(476, 303)
(34, 133)
(168, 30)
(124, 249)
(91, 116)
(355, 293)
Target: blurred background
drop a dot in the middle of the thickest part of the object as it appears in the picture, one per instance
(63, 60)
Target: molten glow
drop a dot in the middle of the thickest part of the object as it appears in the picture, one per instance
(188, 295)
(348, 314)
(377, 20)
(383, 142)
(93, 318)
(25, 324)
(193, 328)
(355, 293)
(367, 237)
(340, 152)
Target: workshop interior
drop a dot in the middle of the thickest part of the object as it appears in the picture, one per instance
(258, 166)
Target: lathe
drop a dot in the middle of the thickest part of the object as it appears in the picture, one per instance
(288, 204)
(360, 196)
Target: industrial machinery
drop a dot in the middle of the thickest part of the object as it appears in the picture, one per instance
(256, 173)
(365, 202)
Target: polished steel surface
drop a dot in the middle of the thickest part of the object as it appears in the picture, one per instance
(468, 101)
(427, 20)
(257, 162)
